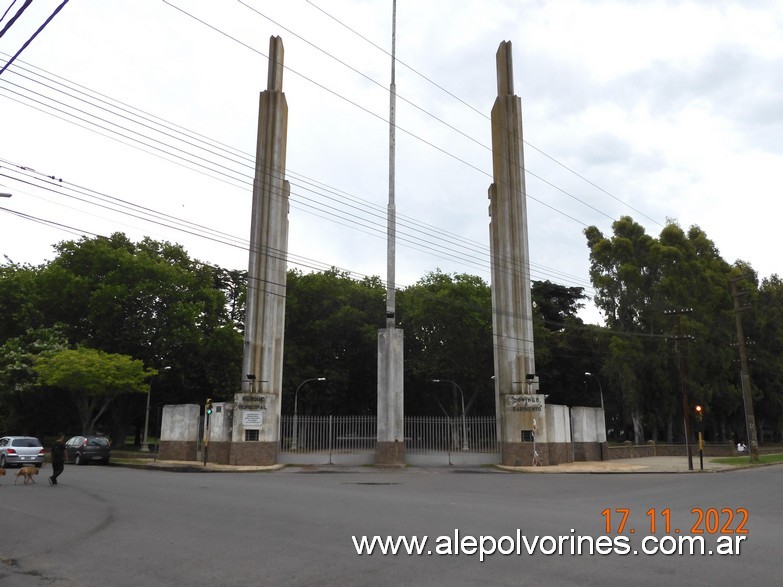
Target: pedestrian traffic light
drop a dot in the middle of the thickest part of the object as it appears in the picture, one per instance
(699, 413)
(209, 406)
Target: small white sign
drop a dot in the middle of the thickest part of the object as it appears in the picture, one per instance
(252, 419)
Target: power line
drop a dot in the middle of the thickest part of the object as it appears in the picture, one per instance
(226, 172)
(35, 34)
(476, 110)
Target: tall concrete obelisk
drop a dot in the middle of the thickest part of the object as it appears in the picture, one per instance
(390, 442)
(256, 423)
(520, 409)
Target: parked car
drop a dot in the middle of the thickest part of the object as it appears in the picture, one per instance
(82, 450)
(19, 451)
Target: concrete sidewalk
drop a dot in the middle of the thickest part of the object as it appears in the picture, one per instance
(638, 465)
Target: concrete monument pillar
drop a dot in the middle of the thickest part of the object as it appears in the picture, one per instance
(519, 406)
(256, 424)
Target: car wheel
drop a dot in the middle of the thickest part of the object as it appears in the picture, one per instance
(78, 460)
(2, 462)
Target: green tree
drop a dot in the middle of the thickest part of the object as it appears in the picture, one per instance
(447, 323)
(764, 320)
(638, 279)
(566, 348)
(25, 408)
(93, 378)
(19, 294)
(331, 330)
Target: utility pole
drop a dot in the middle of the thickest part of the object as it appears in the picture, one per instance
(686, 410)
(747, 398)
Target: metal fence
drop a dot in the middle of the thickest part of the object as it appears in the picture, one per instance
(334, 438)
(307, 434)
(440, 434)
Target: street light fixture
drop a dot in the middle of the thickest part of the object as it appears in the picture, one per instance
(296, 397)
(5, 195)
(144, 446)
(464, 424)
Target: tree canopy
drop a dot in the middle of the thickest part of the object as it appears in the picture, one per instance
(93, 378)
(106, 313)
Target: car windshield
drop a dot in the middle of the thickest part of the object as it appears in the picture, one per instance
(26, 442)
(100, 441)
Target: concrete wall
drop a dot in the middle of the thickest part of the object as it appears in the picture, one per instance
(588, 424)
(220, 422)
(180, 422)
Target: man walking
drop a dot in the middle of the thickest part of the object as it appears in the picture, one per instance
(58, 458)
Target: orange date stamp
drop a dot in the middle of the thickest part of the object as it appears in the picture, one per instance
(712, 520)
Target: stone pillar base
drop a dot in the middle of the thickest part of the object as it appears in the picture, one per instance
(390, 454)
(177, 450)
(219, 452)
(259, 454)
(520, 454)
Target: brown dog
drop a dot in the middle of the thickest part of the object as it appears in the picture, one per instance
(27, 473)
(2, 472)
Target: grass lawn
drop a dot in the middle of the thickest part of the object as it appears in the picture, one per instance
(745, 460)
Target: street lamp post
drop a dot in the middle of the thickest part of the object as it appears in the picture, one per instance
(296, 397)
(144, 446)
(600, 391)
(464, 424)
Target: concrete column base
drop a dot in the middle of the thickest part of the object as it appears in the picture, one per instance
(259, 454)
(390, 454)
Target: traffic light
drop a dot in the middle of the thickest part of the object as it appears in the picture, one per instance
(209, 406)
(699, 412)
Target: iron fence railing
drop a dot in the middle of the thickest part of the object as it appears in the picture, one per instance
(352, 434)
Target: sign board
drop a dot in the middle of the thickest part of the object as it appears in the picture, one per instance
(252, 419)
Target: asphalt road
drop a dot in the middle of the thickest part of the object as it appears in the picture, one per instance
(119, 526)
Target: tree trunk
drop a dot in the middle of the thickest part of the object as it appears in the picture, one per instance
(638, 428)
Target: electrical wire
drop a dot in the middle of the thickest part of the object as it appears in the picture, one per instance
(480, 113)
(246, 178)
(32, 38)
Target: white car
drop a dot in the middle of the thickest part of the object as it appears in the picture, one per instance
(19, 451)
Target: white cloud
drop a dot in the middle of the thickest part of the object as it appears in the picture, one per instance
(674, 108)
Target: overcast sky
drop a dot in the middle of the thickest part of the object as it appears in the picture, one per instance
(663, 109)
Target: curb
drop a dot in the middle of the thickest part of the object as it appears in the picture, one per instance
(195, 467)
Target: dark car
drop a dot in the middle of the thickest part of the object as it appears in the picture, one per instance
(82, 450)
(20, 451)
